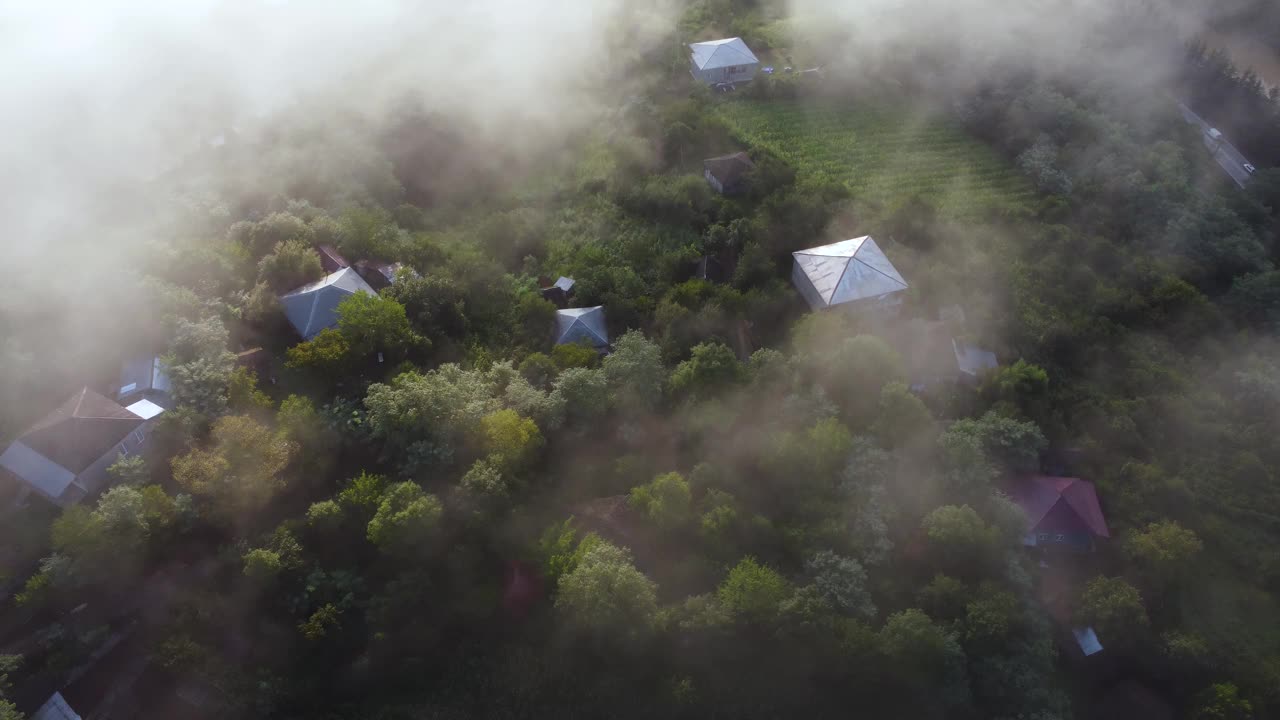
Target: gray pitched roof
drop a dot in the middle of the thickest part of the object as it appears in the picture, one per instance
(313, 307)
(55, 708)
(728, 52)
(849, 270)
(582, 324)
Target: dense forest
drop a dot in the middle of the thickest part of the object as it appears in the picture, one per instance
(744, 508)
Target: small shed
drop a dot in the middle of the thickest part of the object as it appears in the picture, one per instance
(143, 378)
(313, 307)
(330, 259)
(728, 173)
(557, 292)
(1062, 512)
(585, 325)
(851, 271)
(723, 61)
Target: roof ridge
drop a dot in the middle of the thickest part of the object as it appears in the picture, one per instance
(867, 265)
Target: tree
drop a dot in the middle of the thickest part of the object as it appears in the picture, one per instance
(752, 592)
(364, 492)
(924, 656)
(406, 519)
(328, 353)
(199, 366)
(959, 537)
(275, 229)
(539, 369)
(1015, 444)
(1114, 608)
(585, 394)
(842, 582)
(635, 373)
(1164, 551)
(711, 368)
(243, 394)
(666, 501)
(325, 516)
(262, 566)
(129, 470)
(239, 471)
(8, 664)
(373, 323)
(605, 593)
(854, 374)
(485, 484)
(1020, 388)
(1222, 701)
(902, 416)
(575, 355)
(510, 441)
(292, 264)
(535, 320)
(298, 420)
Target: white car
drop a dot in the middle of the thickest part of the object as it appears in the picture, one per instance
(1249, 168)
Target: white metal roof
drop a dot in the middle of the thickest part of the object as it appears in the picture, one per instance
(313, 307)
(577, 324)
(849, 270)
(145, 409)
(722, 53)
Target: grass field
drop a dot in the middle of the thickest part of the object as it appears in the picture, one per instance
(883, 155)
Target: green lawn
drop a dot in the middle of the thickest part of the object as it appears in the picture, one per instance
(882, 154)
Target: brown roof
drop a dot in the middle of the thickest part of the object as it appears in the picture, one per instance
(330, 259)
(81, 431)
(729, 169)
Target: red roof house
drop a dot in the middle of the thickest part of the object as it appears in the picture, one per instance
(1061, 511)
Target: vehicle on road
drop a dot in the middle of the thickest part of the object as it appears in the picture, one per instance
(1249, 168)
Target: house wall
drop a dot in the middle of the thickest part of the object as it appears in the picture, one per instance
(806, 288)
(715, 182)
(734, 74)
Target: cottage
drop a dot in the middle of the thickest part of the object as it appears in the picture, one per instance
(557, 292)
(65, 456)
(723, 61)
(313, 307)
(585, 325)
(851, 271)
(144, 378)
(1061, 512)
(728, 174)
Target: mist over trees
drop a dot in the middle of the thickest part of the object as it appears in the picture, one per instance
(743, 508)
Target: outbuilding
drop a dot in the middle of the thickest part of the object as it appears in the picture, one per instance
(728, 174)
(723, 61)
(850, 271)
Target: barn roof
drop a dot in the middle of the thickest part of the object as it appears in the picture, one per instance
(313, 307)
(1041, 494)
(729, 169)
(849, 270)
(578, 324)
(721, 53)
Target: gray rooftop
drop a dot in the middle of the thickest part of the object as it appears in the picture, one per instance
(582, 325)
(313, 307)
(728, 52)
(849, 270)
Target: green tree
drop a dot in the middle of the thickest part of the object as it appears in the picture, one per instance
(243, 394)
(328, 353)
(924, 656)
(1020, 388)
(373, 323)
(666, 501)
(1114, 608)
(129, 470)
(199, 366)
(262, 566)
(711, 368)
(902, 416)
(855, 373)
(1163, 551)
(1222, 701)
(485, 483)
(635, 373)
(325, 516)
(364, 492)
(960, 539)
(509, 440)
(753, 592)
(276, 228)
(292, 264)
(406, 519)
(575, 355)
(535, 321)
(606, 594)
(842, 582)
(239, 473)
(585, 394)
(1015, 444)
(539, 369)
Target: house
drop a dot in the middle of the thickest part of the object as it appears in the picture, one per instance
(377, 273)
(584, 325)
(971, 361)
(728, 173)
(557, 292)
(65, 456)
(851, 271)
(723, 61)
(330, 259)
(144, 378)
(1061, 512)
(313, 307)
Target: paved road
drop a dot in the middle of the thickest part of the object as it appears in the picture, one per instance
(1224, 152)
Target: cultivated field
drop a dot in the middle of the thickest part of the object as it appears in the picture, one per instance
(883, 155)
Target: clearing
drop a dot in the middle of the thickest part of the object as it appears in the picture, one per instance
(883, 155)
